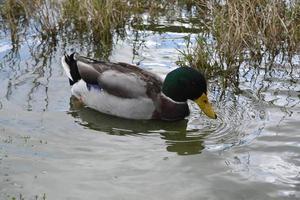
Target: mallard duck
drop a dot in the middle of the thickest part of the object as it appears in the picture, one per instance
(127, 91)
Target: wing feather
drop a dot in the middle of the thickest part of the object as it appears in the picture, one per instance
(120, 79)
(127, 85)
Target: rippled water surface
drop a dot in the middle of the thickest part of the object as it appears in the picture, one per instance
(53, 147)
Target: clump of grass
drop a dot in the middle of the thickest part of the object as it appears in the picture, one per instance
(13, 15)
(17, 16)
(245, 32)
(94, 22)
(97, 16)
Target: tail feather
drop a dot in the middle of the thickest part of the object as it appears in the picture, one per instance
(70, 66)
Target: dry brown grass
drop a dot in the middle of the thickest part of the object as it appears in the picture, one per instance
(234, 32)
(245, 32)
(94, 22)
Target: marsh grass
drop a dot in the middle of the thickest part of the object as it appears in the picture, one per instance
(64, 20)
(230, 33)
(99, 17)
(251, 32)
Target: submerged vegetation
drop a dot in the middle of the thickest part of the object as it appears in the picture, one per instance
(224, 35)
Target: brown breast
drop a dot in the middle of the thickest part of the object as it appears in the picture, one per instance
(167, 109)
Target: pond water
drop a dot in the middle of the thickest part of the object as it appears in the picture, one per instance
(53, 148)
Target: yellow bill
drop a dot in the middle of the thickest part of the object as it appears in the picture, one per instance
(205, 106)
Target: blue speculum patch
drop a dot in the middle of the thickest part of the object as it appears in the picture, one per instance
(93, 86)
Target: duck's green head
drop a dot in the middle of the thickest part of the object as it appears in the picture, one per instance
(186, 83)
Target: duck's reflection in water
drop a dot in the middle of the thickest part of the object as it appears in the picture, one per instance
(175, 134)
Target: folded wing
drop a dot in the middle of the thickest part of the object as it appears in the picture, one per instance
(119, 79)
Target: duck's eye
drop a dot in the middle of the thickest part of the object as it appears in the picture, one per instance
(205, 101)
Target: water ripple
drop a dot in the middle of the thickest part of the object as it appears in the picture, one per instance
(239, 122)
